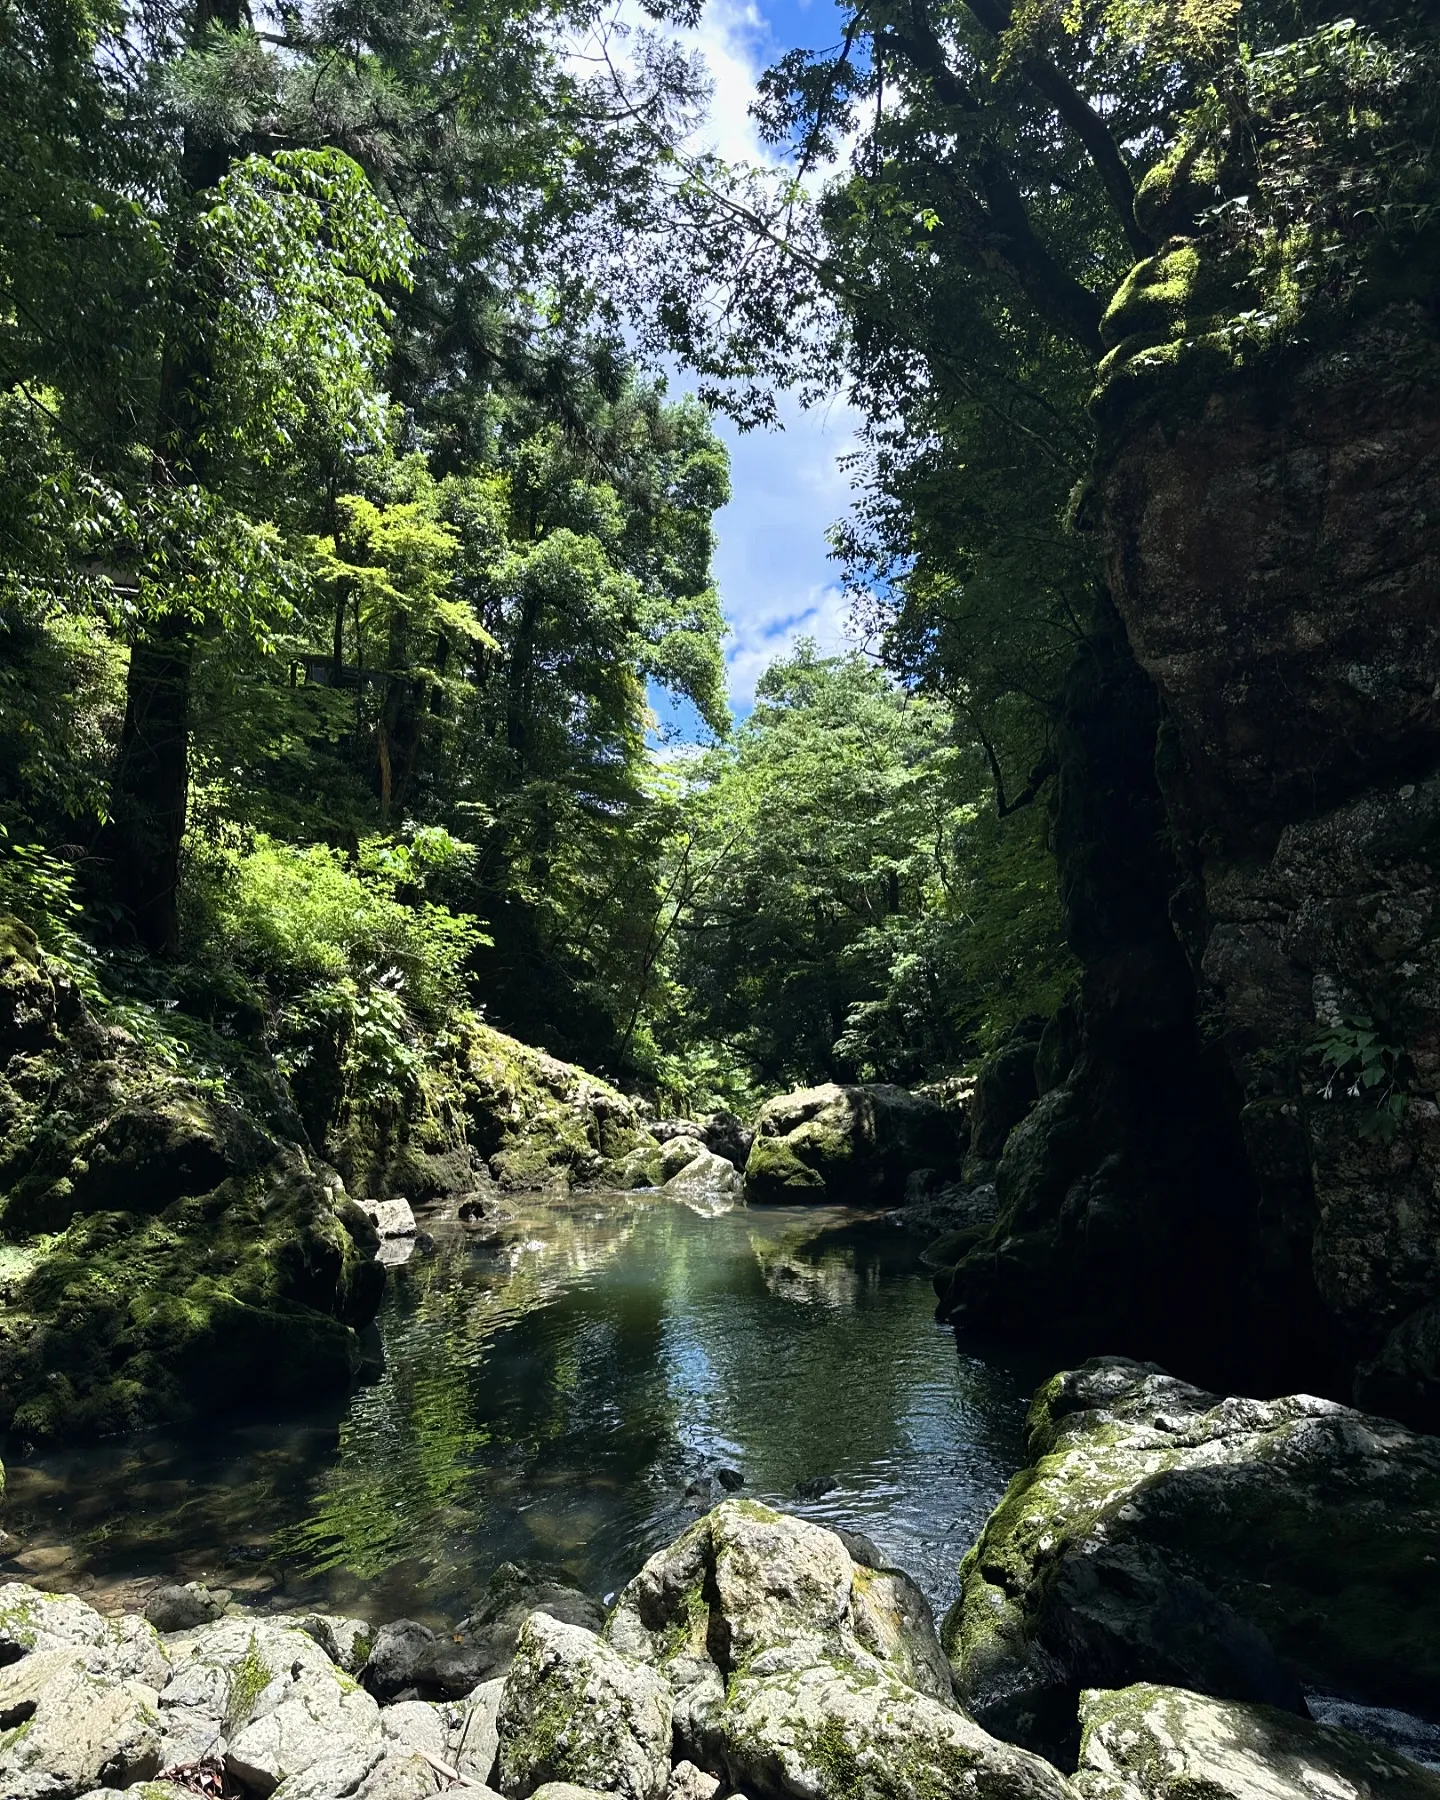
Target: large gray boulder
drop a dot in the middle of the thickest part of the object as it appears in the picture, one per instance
(746, 1586)
(1158, 1743)
(70, 1725)
(265, 1699)
(1246, 1549)
(306, 1714)
(128, 1647)
(707, 1184)
(824, 1733)
(575, 1710)
(847, 1143)
(801, 1668)
(461, 1734)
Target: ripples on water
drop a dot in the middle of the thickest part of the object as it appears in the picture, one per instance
(553, 1395)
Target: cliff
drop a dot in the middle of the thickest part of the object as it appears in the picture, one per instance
(1241, 1171)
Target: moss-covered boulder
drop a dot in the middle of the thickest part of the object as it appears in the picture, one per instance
(847, 1143)
(574, 1710)
(1241, 1548)
(538, 1122)
(1005, 1091)
(801, 1669)
(1158, 1743)
(163, 1253)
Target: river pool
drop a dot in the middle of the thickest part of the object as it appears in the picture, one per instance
(552, 1389)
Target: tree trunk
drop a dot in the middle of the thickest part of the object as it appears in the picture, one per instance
(148, 796)
(151, 782)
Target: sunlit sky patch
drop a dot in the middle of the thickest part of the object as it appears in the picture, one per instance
(777, 581)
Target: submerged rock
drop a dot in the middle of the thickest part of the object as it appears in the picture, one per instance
(175, 1608)
(847, 1143)
(1159, 1743)
(408, 1660)
(1247, 1549)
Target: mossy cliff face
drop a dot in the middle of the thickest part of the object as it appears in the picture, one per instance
(539, 1122)
(1246, 1549)
(1243, 1159)
(1130, 1166)
(1276, 557)
(161, 1253)
(484, 1107)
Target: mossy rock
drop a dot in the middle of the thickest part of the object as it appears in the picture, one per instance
(1157, 1743)
(1248, 1549)
(847, 1143)
(248, 1294)
(776, 1171)
(539, 1122)
(166, 1256)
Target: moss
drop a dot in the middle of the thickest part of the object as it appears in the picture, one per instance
(840, 1769)
(248, 1680)
(948, 1249)
(535, 1755)
(540, 1122)
(689, 1625)
(774, 1171)
(1346, 1603)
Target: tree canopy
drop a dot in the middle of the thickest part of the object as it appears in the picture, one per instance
(346, 517)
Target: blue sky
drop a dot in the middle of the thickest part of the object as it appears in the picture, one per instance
(777, 582)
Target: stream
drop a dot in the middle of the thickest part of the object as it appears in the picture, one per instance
(552, 1389)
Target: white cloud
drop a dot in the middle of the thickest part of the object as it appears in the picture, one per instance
(735, 43)
(777, 579)
(759, 640)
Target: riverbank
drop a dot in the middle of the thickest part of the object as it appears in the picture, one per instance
(769, 1656)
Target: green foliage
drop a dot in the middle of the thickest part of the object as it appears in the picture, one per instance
(343, 954)
(297, 248)
(842, 902)
(1360, 1066)
(1333, 141)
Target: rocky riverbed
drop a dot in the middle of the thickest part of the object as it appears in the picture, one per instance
(1148, 1574)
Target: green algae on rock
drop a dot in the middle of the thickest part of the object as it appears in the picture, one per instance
(1248, 1549)
(1158, 1743)
(847, 1143)
(539, 1122)
(173, 1254)
(800, 1669)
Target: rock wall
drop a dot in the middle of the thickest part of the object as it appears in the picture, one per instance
(1276, 558)
(1125, 1199)
(1242, 1172)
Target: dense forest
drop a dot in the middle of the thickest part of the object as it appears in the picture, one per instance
(350, 525)
(344, 529)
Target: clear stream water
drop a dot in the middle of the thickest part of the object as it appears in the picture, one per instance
(552, 1393)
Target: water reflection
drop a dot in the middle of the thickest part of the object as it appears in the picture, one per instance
(552, 1392)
